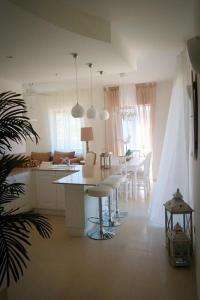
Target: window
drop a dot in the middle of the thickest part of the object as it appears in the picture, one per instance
(137, 131)
(144, 127)
(65, 132)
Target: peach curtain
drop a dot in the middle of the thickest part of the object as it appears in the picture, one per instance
(146, 93)
(113, 126)
(146, 98)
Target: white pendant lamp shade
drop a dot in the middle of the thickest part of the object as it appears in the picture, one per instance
(77, 110)
(91, 113)
(104, 115)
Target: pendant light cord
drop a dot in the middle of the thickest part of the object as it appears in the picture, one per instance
(104, 100)
(75, 55)
(91, 90)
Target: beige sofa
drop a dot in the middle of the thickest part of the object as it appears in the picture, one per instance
(58, 157)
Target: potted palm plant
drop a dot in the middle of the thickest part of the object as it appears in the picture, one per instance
(15, 227)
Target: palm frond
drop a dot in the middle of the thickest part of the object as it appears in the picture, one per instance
(14, 235)
(10, 192)
(15, 227)
(14, 124)
(8, 163)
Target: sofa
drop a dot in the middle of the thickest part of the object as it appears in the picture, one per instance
(58, 157)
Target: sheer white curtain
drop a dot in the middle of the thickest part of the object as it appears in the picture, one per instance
(146, 98)
(138, 130)
(173, 172)
(64, 129)
(130, 125)
(113, 126)
(144, 127)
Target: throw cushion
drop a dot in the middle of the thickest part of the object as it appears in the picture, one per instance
(75, 160)
(58, 156)
(41, 156)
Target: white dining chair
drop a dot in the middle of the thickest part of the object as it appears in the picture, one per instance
(90, 158)
(126, 183)
(136, 153)
(141, 177)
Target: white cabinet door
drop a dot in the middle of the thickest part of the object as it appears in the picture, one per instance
(45, 190)
(60, 190)
(24, 202)
(48, 194)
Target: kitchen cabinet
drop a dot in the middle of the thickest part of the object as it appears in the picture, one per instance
(40, 191)
(25, 201)
(45, 190)
(49, 195)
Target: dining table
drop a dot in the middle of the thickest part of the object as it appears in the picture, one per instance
(132, 163)
(130, 166)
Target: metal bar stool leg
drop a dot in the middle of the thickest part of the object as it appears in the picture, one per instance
(117, 202)
(100, 218)
(101, 233)
(111, 222)
(109, 210)
(118, 214)
(114, 182)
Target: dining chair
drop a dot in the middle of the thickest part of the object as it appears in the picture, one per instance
(121, 162)
(90, 158)
(136, 153)
(142, 175)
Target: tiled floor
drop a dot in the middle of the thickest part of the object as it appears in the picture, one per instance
(132, 266)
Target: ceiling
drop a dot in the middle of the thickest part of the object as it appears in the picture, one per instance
(139, 38)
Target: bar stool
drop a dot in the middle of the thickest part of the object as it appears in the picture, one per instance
(100, 233)
(114, 181)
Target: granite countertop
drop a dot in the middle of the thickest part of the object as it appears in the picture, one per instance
(71, 168)
(59, 168)
(87, 175)
(75, 174)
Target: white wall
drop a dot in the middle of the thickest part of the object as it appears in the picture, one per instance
(195, 167)
(163, 94)
(6, 86)
(195, 194)
(38, 109)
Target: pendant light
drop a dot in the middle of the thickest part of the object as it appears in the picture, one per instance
(77, 111)
(91, 112)
(104, 114)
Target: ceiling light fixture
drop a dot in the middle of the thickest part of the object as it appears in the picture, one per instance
(91, 112)
(104, 114)
(77, 111)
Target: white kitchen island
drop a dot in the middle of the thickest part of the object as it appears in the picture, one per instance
(60, 190)
(78, 205)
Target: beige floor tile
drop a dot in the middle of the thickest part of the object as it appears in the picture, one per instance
(134, 265)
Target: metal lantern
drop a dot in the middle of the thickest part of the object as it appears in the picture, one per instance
(105, 160)
(179, 246)
(177, 210)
